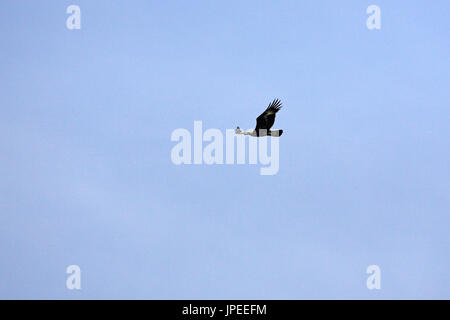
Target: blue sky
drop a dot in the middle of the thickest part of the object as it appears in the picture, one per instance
(86, 176)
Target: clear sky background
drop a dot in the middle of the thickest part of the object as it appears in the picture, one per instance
(86, 176)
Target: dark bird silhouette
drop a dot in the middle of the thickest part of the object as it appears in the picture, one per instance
(265, 122)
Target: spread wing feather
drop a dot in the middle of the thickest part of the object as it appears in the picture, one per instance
(267, 118)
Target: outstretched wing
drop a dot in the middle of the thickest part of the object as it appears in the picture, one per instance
(267, 118)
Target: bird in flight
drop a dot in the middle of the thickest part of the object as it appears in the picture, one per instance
(264, 122)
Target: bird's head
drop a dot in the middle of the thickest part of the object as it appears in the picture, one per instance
(238, 130)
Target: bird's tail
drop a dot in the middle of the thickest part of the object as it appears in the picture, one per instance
(238, 130)
(276, 133)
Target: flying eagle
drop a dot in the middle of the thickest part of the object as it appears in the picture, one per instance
(264, 122)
